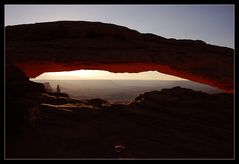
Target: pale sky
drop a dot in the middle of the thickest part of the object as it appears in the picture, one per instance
(213, 24)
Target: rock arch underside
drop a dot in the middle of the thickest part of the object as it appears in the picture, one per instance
(73, 45)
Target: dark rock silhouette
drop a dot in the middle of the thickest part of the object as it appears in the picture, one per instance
(48, 87)
(55, 98)
(21, 95)
(17, 83)
(74, 45)
(57, 94)
(58, 89)
(171, 123)
(176, 95)
(97, 102)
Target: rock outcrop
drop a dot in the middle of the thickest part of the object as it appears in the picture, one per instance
(48, 87)
(176, 95)
(21, 96)
(74, 45)
(181, 99)
(18, 84)
(171, 123)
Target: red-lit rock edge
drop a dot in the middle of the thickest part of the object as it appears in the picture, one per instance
(73, 45)
(33, 70)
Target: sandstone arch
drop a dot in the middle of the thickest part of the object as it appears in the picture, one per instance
(72, 45)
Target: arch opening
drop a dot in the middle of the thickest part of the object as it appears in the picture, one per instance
(114, 87)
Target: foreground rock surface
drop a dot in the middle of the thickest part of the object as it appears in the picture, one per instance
(171, 123)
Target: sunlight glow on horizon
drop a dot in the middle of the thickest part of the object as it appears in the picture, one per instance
(104, 75)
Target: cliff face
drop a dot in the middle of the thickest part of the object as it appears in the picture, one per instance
(21, 96)
(18, 84)
(73, 45)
